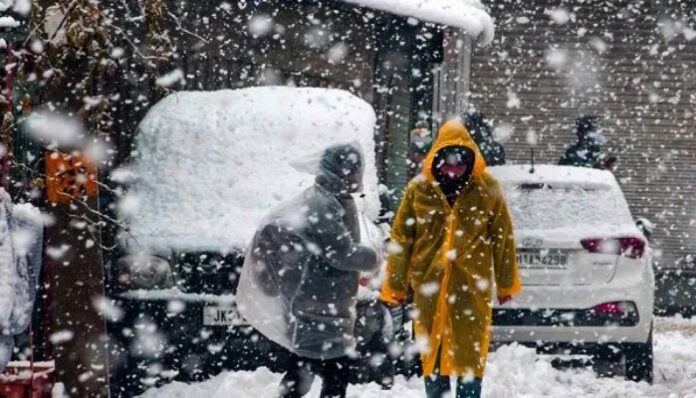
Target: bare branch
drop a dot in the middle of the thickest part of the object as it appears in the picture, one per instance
(135, 48)
(43, 21)
(178, 24)
(91, 232)
(91, 210)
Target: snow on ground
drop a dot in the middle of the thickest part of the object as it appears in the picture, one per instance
(513, 371)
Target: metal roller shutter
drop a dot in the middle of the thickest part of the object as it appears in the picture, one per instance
(629, 63)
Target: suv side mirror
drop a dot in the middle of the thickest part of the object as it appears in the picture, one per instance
(646, 227)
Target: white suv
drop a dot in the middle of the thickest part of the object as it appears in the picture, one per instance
(585, 265)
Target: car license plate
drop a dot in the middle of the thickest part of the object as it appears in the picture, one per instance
(543, 259)
(218, 315)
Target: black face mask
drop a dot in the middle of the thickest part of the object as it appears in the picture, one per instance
(452, 187)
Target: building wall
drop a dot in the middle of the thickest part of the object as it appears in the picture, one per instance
(628, 62)
(269, 43)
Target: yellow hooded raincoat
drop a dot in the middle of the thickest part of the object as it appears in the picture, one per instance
(451, 257)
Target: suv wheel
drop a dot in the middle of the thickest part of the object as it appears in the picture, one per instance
(639, 360)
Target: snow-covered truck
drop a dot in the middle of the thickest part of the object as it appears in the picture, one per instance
(206, 168)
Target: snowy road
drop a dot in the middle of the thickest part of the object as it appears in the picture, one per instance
(513, 371)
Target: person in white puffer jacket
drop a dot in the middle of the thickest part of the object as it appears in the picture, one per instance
(21, 240)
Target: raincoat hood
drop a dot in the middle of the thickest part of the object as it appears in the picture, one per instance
(453, 133)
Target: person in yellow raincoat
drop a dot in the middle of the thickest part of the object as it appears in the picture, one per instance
(452, 243)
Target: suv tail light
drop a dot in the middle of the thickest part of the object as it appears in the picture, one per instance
(628, 247)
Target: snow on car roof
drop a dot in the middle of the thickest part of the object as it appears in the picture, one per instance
(469, 15)
(210, 165)
(554, 175)
(597, 208)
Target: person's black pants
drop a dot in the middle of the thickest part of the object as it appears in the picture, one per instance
(301, 371)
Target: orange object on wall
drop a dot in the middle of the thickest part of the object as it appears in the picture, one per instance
(69, 177)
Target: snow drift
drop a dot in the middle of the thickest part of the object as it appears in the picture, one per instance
(512, 371)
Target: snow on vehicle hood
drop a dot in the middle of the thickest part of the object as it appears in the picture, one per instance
(469, 15)
(209, 166)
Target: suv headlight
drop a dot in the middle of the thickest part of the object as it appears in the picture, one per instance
(144, 271)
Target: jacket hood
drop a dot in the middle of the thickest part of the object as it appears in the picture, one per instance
(453, 133)
(341, 169)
